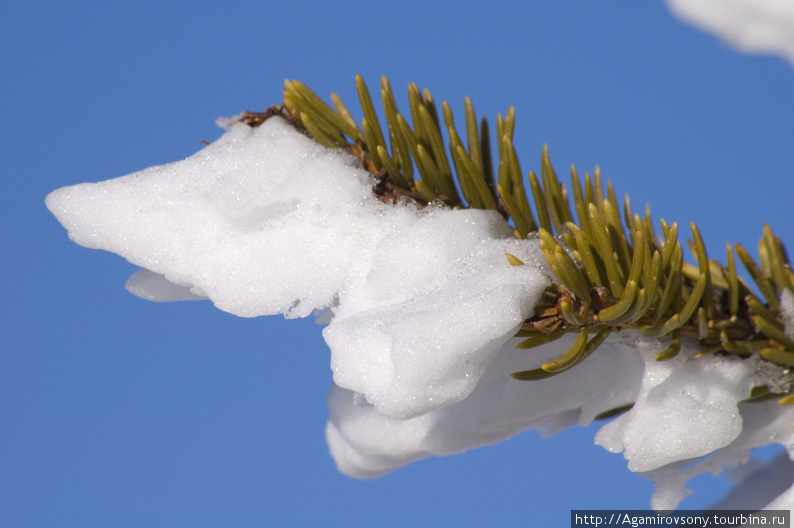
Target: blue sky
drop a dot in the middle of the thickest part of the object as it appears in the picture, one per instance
(119, 412)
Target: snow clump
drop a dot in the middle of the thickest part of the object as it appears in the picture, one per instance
(266, 221)
(757, 26)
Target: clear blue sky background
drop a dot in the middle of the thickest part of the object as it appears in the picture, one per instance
(119, 412)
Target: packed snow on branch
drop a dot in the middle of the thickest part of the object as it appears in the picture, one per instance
(421, 308)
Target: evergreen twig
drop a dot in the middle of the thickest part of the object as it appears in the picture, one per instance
(612, 273)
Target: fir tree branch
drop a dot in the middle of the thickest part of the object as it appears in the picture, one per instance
(612, 273)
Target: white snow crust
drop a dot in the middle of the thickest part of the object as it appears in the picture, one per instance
(266, 221)
(421, 306)
(759, 26)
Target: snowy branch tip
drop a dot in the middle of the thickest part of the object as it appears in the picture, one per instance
(422, 307)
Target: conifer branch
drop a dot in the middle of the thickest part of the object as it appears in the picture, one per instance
(612, 273)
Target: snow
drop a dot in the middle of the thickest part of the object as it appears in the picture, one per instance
(421, 307)
(787, 311)
(366, 444)
(761, 26)
(764, 423)
(673, 392)
(244, 241)
(266, 221)
(155, 287)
